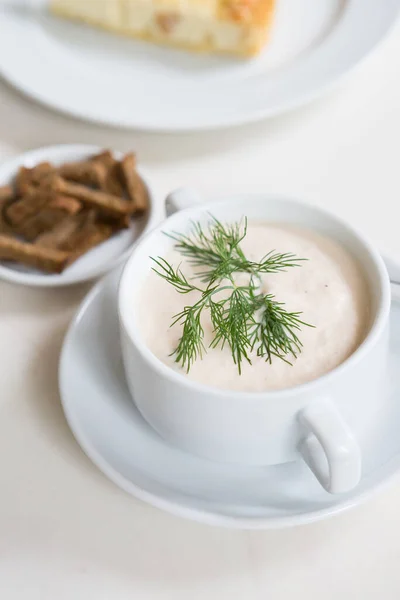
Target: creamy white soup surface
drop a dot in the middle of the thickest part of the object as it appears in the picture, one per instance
(329, 289)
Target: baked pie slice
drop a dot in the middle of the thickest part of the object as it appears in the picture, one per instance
(239, 27)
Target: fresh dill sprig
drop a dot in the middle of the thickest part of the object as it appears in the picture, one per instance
(174, 276)
(243, 318)
(274, 333)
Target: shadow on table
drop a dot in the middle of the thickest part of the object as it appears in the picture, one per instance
(25, 125)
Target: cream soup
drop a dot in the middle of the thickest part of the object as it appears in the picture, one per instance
(329, 289)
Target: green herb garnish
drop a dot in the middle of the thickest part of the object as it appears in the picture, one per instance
(244, 318)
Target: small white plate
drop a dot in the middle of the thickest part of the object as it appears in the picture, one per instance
(111, 431)
(103, 78)
(94, 263)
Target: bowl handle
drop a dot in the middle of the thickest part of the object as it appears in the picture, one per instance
(393, 268)
(329, 448)
(182, 198)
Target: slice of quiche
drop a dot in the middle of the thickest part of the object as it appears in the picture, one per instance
(238, 27)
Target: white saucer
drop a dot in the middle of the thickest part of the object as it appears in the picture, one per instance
(103, 78)
(94, 263)
(110, 430)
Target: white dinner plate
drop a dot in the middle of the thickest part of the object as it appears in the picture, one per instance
(103, 78)
(111, 431)
(97, 261)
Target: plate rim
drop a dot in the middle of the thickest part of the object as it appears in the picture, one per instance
(175, 508)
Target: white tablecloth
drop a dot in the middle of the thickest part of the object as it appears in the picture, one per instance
(65, 531)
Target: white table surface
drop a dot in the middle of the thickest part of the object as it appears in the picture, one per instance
(68, 533)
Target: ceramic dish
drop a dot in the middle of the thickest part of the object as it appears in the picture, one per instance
(103, 78)
(315, 421)
(95, 262)
(111, 431)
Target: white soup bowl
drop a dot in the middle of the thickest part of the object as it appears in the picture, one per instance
(320, 422)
